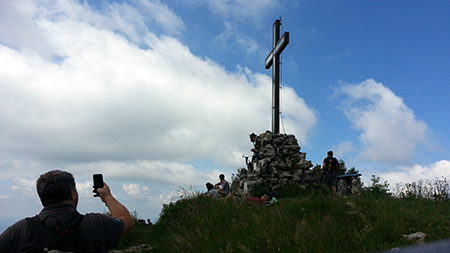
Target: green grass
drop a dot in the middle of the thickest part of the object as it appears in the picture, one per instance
(306, 220)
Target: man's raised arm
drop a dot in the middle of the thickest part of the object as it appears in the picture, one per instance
(116, 208)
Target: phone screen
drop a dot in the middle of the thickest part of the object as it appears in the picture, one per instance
(98, 181)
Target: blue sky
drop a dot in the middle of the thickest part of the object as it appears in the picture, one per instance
(158, 95)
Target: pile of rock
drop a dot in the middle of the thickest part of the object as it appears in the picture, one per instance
(276, 161)
(349, 185)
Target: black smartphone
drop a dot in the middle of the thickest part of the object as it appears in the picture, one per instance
(98, 181)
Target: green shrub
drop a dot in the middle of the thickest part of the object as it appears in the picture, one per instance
(140, 233)
(377, 189)
(438, 190)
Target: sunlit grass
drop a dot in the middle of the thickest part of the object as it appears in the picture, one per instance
(311, 220)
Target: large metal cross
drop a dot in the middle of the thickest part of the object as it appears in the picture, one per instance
(273, 59)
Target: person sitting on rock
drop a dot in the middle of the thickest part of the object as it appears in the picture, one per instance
(224, 185)
(211, 191)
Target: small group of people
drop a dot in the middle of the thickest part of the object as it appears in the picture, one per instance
(221, 189)
(330, 170)
(60, 225)
(147, 223)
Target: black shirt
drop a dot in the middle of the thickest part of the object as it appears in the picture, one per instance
(94, 226)
(331, 164)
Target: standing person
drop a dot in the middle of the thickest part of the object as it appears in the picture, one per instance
(59, 224)
(330, 170)
(224, 185)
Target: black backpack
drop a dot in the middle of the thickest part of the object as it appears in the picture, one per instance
(62, 237)
(332, 165)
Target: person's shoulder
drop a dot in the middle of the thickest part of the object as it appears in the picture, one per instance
(13, 235)
(103, 226)
(102, 221)
(98, 217)
(19, 225)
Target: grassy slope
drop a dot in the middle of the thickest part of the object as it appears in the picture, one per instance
(312, 221)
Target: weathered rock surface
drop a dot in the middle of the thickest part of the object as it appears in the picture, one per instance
(276, 161)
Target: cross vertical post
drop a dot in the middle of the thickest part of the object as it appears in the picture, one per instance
(273, 60)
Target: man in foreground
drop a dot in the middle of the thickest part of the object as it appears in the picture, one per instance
(60, 226)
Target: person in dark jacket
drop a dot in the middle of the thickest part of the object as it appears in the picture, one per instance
(330, 170)
(94, 232)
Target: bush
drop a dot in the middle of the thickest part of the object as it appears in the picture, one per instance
(377, 189)
(140, 233)
(437, 190)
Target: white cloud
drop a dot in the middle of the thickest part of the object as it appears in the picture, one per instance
(243, 8)
(390, 131)
(109, 99)
(135, 190)
(162, 15)
(437, 170)
(79, 93)
(24, 183)
(233, 40)
(15, 14)
(39, 22)
(23, 187)
(84, 189)
(343, 148)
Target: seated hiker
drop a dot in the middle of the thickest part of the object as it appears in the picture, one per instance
(263, 200)
(224, 185)
(59, 226)
(211, 191)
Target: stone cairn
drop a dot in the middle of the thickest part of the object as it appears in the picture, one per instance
(276, 161)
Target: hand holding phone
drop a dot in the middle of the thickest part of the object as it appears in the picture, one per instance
(98, 181)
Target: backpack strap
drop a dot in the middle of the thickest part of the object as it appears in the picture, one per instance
(33, 223)
(43, 237)
(36, 227)
(71, 221)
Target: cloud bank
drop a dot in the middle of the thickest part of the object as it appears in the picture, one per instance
(112, 90)
(100, 96)
(390, 132)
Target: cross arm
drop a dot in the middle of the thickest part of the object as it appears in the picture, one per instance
(279, 47)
